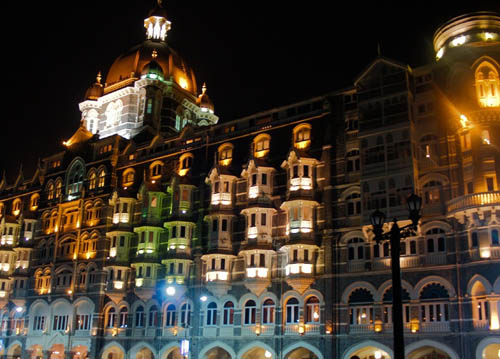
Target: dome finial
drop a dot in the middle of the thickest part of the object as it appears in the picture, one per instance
(204, 88)
(156, 23)
(99, 77)
(154, 55)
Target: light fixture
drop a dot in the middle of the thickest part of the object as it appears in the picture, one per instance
(268, 354)
(19, 309)
(203, 298)
(170, 290)
(414, 205)
(378, 354)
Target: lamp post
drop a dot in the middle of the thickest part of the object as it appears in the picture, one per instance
(394, 236)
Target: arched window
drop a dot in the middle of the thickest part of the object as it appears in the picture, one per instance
(356, 249)
(228, 315)
(387, 308)
(353, 202)
(155, 170)
(34, 201)
(170, 316)
(123, 317)
(92, 180)
(432, 191)
(139, 317)
(58, 188)
(434, 304)
(225, 152)
(268, 312)
(292, 311)
(185, 163)
(50, 191)
(212, 314)
(186, 315)
(111, 318)
(153, 316)
(261, 145)
(312, 310)
(250, 312)
(361, 307)
(487, 85)
(435, 240)
(16, 206)
(102, 178)
(302, 136)
(352, 161)
(128, 177)
(75, 178)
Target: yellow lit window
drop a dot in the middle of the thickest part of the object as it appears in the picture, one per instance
(16, 207)
(302, 136)
(225, 154)
(50, 191)
(155, 170)
(261, 145)
(92, 180)
(34, 201)
(185, 163)
(487, 85)
(128, 177)
(102, 178)
(58, 188)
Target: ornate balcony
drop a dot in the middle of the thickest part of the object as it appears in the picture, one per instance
(474, 200)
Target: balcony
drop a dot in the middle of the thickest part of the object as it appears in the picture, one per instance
(483, 324)
(473, 200)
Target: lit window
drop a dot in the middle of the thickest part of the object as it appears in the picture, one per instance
(268, 312)
(487, 85)
(102, 178)
(261, 145)
(155, 170)
(185, 163)
(92, 180)
(16, 207)
(128, 177)
(312, 310)
(50, 191)
(225, 154)
(302, 136)
(228, 314)
(34, 201)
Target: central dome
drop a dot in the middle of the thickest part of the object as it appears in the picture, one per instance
(131, 63)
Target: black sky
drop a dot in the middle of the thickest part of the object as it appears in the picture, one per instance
(253, 55)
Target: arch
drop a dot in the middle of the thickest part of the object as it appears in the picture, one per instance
(478, 278)
(230, 298)
(225, 153)
(261, 145)
(446, 227)
(302, 344)
(313, 293)
(255, 345)
(245, 298)
(291, 294)
(350, 235)
(268, 295)
(356, 285)
(435, 279)
(430, 343)
(367, 343)
(15, 349)
(217, 344)
(136, 349)
(349, 191)
(167, 349)
(116, 350)
(434, 177)
(481, 347)
(486, 83)
(388, 284)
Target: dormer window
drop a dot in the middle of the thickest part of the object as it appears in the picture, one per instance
(16, 207)
(225, 154)
(302, 136)
(155, 170)
(128, 177)
(185, 163)
(261, 145)
(34, 201)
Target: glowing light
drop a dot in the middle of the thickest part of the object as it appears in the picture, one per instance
(458, 41)
(253, 192)
(184, 347)
(118, 284)
(414, 325)
(203, 298)
(268, 354)
(378, 354)
(139, 282)
(489, 36)
(485, 252)
(301, 329)
(112, 252)
(464, 121)
(70, 291)
(19, 309)
(183, 83)
(316, 315)
(170, 291)
(494, 323)
(440, 53)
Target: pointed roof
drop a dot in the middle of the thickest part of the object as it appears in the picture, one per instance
(379, 59)
(81, 135)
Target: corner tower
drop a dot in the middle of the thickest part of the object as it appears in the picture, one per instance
(148, 88)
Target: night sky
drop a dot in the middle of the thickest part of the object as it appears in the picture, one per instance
(253, 55)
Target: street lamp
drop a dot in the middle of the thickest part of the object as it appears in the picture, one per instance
(394, 236)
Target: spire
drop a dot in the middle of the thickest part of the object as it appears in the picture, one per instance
(98, 78)
(3, 182)
(157, 24)
(20, 176)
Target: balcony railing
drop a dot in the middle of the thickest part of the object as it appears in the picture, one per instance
(473, 200)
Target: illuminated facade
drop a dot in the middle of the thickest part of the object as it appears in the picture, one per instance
(158, 231)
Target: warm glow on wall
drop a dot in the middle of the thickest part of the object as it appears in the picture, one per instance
(183, 83)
